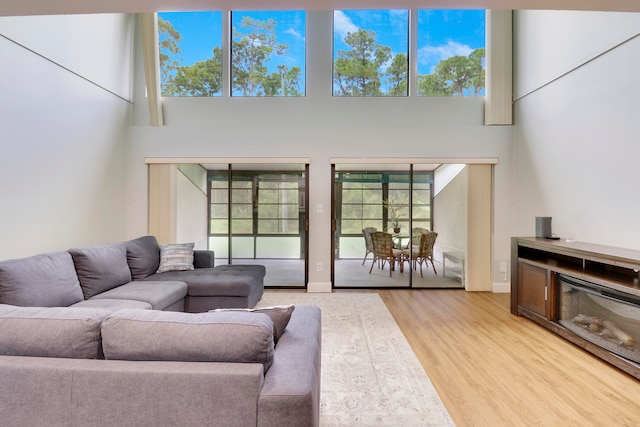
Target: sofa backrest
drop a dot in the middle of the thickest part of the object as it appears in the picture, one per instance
(51, 331)
(101, 267)
(46, 280)
(143, 256)
(226, 336)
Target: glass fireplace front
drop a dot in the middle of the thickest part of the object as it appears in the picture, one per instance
(605, 317)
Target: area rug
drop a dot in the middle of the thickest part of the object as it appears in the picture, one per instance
(370, 376)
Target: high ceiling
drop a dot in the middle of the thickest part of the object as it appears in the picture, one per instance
(47, 7)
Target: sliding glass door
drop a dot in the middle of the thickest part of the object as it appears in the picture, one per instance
(258, 215)
(392, 199)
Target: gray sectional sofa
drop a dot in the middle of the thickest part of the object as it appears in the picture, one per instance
(129, 275)
(86, 340)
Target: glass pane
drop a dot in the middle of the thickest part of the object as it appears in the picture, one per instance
(268, 196)
(351, 211)
(290, 211)
(190, 46)
(370, 52)
(241, 196)
(371, 211)
(291, 227)
(219, 211)
(220, 196)
(352, 226)
(451, 52)
(242, 226)
(268, 53)
(219, 226)
(268, 211)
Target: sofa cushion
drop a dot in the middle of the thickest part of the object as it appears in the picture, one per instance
(192, 337)
(279, 315)
(160, 295)
(176, 257)
(51, 331)
(101, 267)
(143, 256)
(46, 280)
(113, 304)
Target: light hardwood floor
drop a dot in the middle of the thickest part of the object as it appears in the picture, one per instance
(491, 368)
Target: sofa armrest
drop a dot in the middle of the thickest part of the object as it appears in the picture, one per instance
(290, 396)
(203, 259)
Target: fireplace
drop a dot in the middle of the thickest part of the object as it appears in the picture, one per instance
(603, 316)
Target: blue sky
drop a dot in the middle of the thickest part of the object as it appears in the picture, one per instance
(441, 33)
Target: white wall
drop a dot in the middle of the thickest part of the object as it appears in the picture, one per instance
(577, 125)
(192, 206)
(319, 127)
(450, 214)
(63, 120)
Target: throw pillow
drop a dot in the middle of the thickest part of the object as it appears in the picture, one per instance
(101, 267)
(280, 316)
(143, 256)
(176, 257)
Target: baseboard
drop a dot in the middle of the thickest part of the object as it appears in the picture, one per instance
(319, 287)
(501, 287)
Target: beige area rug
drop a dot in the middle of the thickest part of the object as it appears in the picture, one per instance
(370, 375)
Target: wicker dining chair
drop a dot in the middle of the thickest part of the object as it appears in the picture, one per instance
(416, 234)
(366, 232)
(424, 254)
(384, 250)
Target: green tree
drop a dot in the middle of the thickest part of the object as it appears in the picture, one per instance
(477, 58)
(457, 75)
(204, 78)
(251, 51)
(397, 75)
(433, 85)
(169, 40)
(284, 82)
(356, 70)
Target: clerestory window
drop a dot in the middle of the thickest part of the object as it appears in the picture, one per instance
(190, 50)
(371, 55)
(451, 52)
(370, 52)
(268, 53)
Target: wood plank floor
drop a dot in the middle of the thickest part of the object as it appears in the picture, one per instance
(495, 369)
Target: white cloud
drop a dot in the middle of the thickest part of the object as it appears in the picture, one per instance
(294, 33)
(342, 24)
(428, 54)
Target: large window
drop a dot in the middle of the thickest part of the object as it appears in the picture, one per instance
(451, 52)
(370, 52)
(268, 53)
(367, 199)
(278, 205)
(190, 53)
(261, 203)
(370, 57)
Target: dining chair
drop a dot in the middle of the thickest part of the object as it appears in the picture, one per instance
(366, 232)
(416, 233)
(424, 254)
(383, 251)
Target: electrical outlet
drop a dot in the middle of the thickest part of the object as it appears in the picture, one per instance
(503, 266)
(319, 266)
